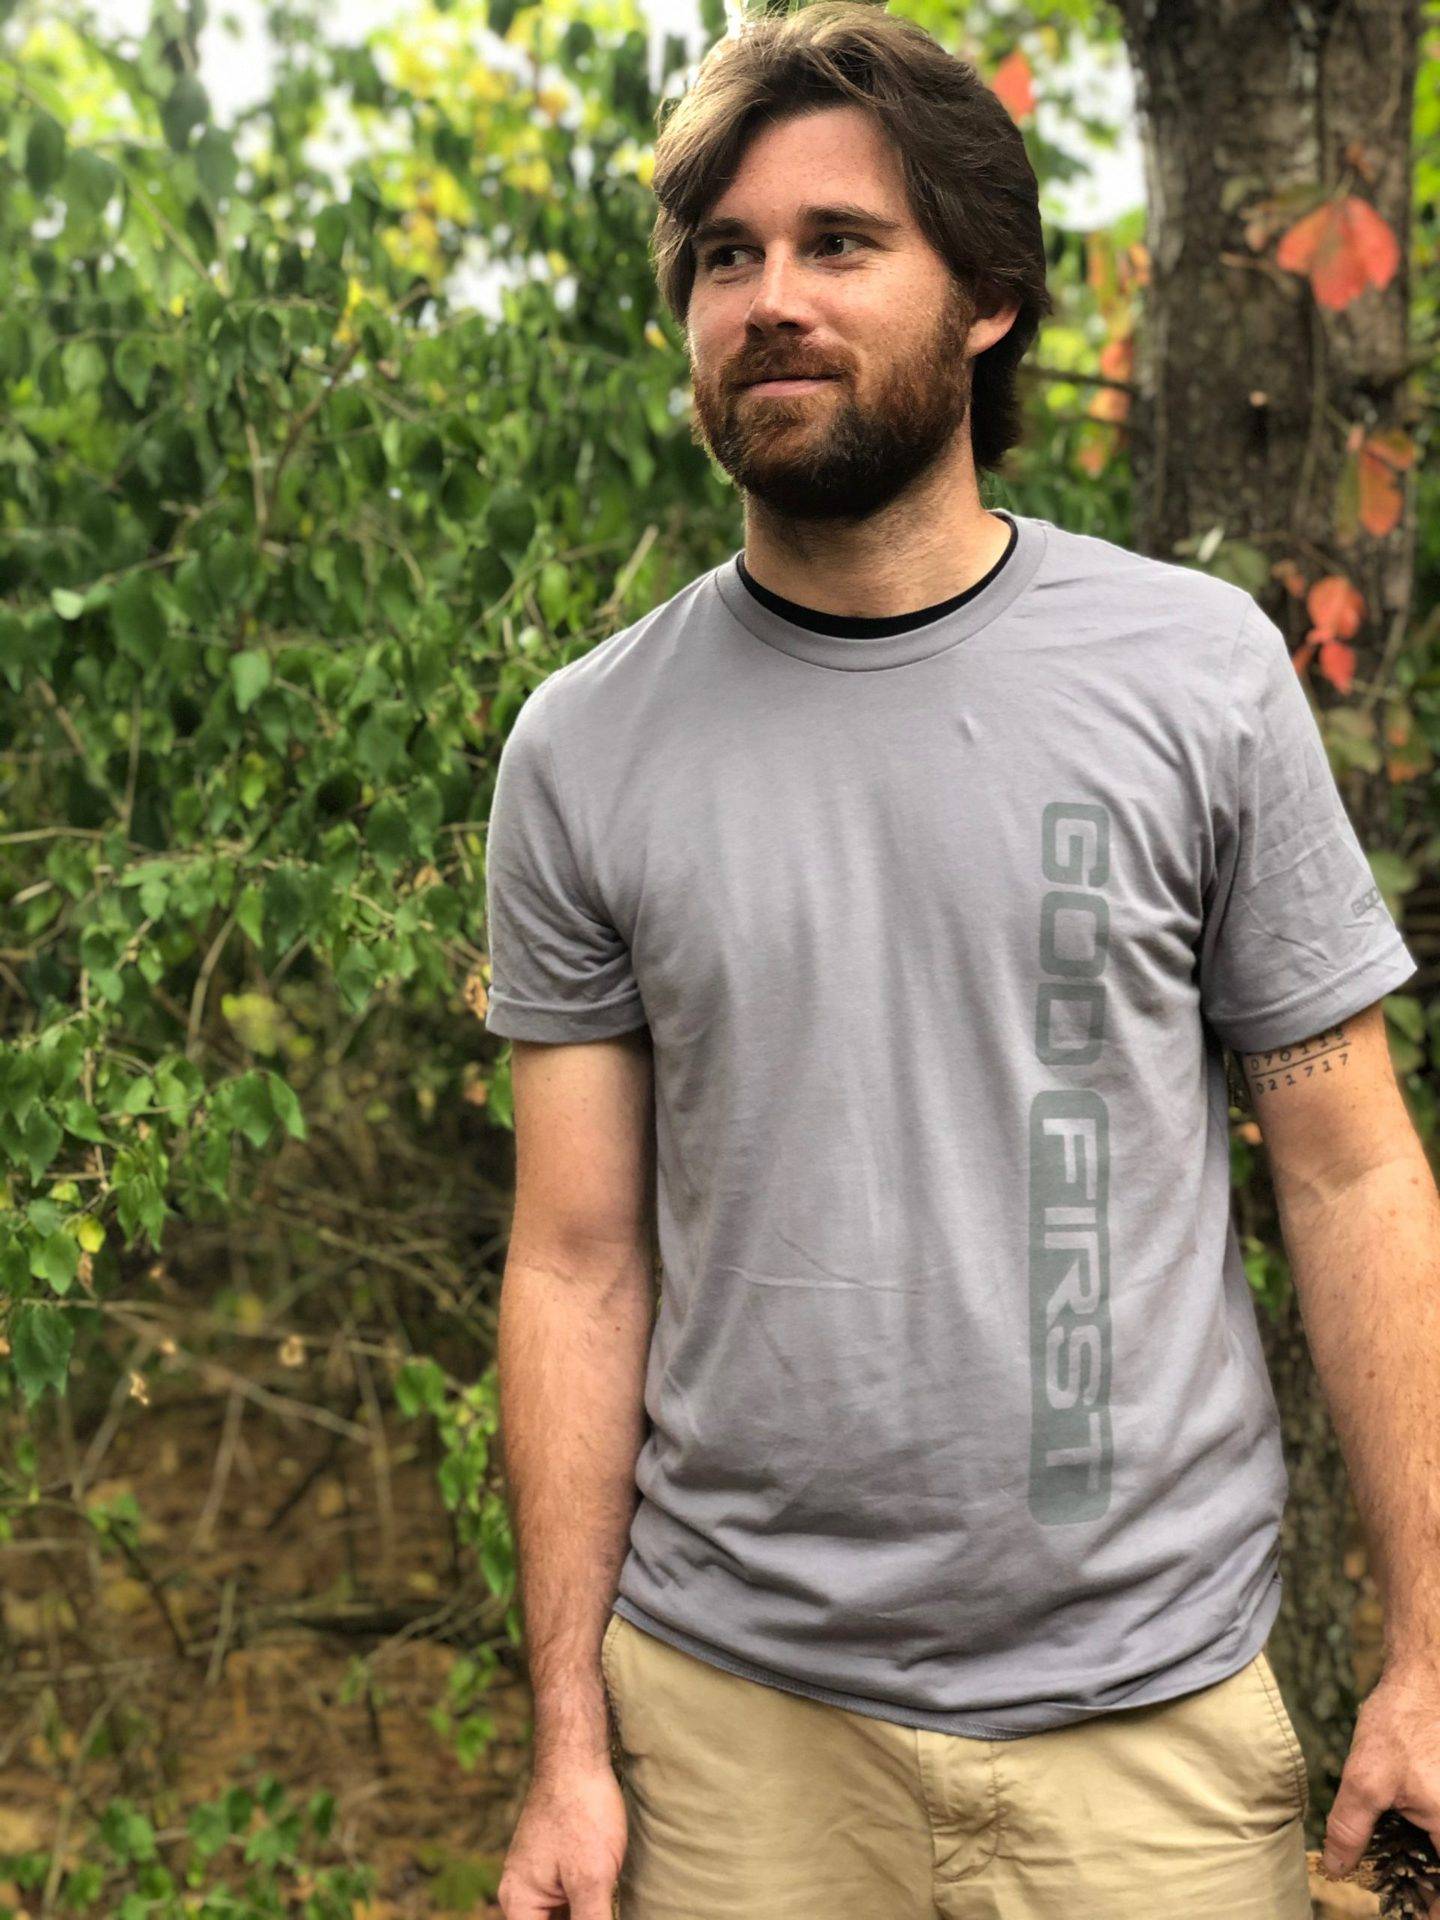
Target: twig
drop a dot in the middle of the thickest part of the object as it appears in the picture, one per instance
(224, 1460)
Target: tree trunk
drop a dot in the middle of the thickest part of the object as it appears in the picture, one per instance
(1250, 397)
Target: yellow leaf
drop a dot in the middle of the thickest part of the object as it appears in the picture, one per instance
(250, 1312)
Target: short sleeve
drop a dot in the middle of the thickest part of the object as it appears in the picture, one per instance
(1296, 935)
(558, 970)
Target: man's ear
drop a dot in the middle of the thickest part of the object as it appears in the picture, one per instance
(992, 326)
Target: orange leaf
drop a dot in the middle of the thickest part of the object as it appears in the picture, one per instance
(1093, 457)
(1012, 85)
(1335, 607)
(1337, 663)
(1100, 268)
(1395, 446)
(1290, 577)
(1117, 357)
(1381, 499)
(1344, 246)
(1116, 363)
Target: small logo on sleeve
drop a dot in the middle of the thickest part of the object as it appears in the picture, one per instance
(1365, 902)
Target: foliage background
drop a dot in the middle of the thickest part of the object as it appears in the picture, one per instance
(287, 535)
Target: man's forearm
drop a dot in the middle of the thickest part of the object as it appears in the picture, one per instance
(573, 1341)
(1366, 1265)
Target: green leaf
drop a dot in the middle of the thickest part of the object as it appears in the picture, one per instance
(44, 152)
(250, 915)
(81, 1119)
(1408, 1014)
(463, 496)
(57, 1260)
(250, 1107)
(216, 164)
(419, 1388)
(250, 676)
(332, 227)
(355, 977)
(510, 519)
(187, 106)
(379, 744)
(14, 347)
(82, 364)
(227, 567)
(286, 1106)
(266, 338)
(90, 180)
(136, 618)
(138, 1096)
(67, 604)
(127, 1832)
(133, 365)
(40, 1340)
(387, 834)
(41, 1137)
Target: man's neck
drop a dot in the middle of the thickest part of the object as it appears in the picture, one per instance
(864, 574)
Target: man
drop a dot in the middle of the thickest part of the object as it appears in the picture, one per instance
(870, 920)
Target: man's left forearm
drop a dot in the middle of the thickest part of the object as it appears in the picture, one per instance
(1365, 1259)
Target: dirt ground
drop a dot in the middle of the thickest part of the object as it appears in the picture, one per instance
(274, 1616)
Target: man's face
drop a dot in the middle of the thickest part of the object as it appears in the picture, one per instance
(874, 309)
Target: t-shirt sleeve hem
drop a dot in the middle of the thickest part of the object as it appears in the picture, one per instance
(1319, 1007)
(522, 1020)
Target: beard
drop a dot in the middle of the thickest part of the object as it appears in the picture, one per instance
(825, 456)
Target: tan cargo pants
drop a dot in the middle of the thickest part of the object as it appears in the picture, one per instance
(745, 1802)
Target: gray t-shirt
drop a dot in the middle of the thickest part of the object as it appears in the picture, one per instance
(959, 1413)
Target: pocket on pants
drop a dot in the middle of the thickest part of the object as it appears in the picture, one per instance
(1285, 1728)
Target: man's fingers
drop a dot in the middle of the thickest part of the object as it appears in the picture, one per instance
(592, 1898)
(1351, 1823)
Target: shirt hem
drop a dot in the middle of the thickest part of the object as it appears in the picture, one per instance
(1295, 1019)
(515, 1020)
(1249, 1645)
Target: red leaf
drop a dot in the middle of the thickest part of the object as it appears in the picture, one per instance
(1337, 663)
(1394, 445)
(1380, 497)
(1335, 607)
(1344, 246)
(1012, 85)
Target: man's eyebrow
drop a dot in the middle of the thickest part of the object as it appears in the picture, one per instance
(844, 215)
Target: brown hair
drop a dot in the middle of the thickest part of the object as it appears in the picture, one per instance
(968, 178)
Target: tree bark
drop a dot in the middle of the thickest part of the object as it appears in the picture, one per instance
(1249, 395)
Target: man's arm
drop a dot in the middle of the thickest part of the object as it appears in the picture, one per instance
(576, 1310)
(1361, 1222)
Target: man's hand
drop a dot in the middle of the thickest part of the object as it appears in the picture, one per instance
(565, 1854)
(1394, 1761)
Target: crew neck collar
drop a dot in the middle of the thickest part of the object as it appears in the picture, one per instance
(866, 651)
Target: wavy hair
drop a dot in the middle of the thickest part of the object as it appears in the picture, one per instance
(968, 179)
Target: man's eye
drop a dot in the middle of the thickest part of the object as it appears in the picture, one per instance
(713, 259)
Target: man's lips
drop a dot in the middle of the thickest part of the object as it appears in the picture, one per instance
(786, 379)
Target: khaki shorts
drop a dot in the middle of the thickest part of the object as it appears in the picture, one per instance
(745, 1802)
